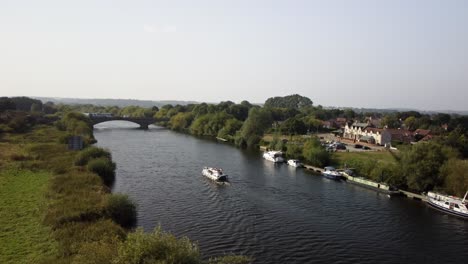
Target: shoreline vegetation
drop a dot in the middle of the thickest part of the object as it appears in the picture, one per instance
(60, 209)
(57, 206)
(291, 124)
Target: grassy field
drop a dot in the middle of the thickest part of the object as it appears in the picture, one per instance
(23, 237)
(269, 137)
(340, 158)
(24, 181)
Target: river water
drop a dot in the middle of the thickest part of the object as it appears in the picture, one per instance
(274, 213)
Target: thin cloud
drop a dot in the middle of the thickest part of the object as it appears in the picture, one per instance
(159, 29)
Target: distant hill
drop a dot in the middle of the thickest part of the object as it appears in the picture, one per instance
(149, 103)
(393, 110)
(113, 102)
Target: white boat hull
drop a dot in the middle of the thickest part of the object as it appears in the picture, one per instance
(214, 174)
(295, 163)
(448, 204)
(273, 156)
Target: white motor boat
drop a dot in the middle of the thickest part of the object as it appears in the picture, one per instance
(449, 204)
(275, 156)
(331, 173)
(295, 163)
(214, 174)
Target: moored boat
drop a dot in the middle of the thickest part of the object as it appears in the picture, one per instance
(331, 173)
(377, 186)
(275, 156)
(449, 204)
(295, 163)
(215, 174)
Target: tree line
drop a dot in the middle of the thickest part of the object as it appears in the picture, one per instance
(244, 124)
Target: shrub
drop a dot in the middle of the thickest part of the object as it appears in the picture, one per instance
(96, 252)
(104, 168)
(122, 210)
(75, 196)
(315, 154)
(73, 235)
(91, 153)
(157, 247)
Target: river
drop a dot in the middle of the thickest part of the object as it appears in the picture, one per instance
(274, 213)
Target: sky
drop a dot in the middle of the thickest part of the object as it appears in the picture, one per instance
(360, 53)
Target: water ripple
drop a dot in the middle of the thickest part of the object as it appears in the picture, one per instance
(271, 212)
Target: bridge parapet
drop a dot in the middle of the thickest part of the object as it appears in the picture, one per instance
(144, 122)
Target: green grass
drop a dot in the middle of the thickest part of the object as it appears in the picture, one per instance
(39, 134)
(269, 137)
(340, 158)
(23, 236)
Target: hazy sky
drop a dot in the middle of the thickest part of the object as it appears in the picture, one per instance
(374, 53)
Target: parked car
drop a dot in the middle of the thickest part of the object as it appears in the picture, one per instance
(340, 146)
(366, 148)
(358, 146)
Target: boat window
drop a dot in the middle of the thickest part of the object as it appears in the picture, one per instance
(446, 203)
(456, 206)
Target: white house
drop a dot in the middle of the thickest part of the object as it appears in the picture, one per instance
(362, 133)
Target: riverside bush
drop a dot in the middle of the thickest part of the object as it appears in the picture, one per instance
(91, 153)
(122, 210)
(73, 235)
(157, 247)
(75, 196)
(104, 168)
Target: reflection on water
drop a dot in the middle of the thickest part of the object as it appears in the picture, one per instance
(273, 212)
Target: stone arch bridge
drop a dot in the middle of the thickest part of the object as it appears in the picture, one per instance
(144, 122)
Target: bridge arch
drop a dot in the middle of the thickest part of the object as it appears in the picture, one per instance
(142, 122)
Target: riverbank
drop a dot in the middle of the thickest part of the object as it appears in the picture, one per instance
(57, 205)
(46, 199)
(367, 183)
(268, 206)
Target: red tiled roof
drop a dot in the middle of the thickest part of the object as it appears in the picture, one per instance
(402, 132)
(422, 132)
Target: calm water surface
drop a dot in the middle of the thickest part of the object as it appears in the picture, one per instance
(274, 213)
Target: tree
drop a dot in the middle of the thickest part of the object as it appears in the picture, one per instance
(254, 127)
(231, 126)
(410, 123)
(294, 150)
(25, 103)
(312, 123)
(49, 108)
(441, 119)
(349, 113)
(35, 107)
(455, 173)
(6, 104)
(457, 139)
(290, 101)
(293, 126)
(421, 165)
(240, 112)
(181, 121)
(390, 121)
(315, 154)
